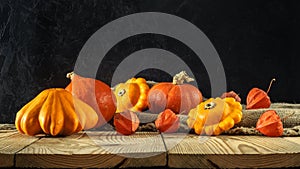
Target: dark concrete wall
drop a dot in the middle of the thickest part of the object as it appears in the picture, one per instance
(40, 41)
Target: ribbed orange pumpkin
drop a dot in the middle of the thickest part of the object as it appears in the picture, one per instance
(132, 95)
(178, 97)
(95, 93)
(55, 112)
(214, 116)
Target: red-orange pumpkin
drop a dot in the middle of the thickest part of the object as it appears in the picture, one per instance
(178, 97)
(95, 93)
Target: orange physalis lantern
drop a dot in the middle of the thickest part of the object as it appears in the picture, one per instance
(258, 98)
(167, 121)
(270, 124)
(126, 122)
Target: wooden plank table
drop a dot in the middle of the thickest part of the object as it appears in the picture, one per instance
(103, 149)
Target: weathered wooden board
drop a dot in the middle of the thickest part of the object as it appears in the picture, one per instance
(10, 143)
(107, 149)
(95, 150)
(293, 139)
(231, 151)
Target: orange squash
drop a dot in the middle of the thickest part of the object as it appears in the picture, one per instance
(132, 95)
(95, 93)
(55, 112)
(258, 98)
(177, 96)
(126, 122)
(214, 116)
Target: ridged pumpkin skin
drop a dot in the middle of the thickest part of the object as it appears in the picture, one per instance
(214, 116)
(132, 95)
(179, 98)
(95, 93)
(55, 112)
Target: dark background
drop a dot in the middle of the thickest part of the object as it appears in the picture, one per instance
(40, 41)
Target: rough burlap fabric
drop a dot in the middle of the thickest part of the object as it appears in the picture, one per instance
(289, 113)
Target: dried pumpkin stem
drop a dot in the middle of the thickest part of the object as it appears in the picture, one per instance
(70, 75)
(181, 77)
(271, 84)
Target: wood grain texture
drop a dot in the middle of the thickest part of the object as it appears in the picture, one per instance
(293, 139)
(231, 152)
(10, 143)
(94, 150)
(103, 149)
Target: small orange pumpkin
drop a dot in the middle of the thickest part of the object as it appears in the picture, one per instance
(55, 112)
(214, 116)
(167, 121)
(178, 97)
(132, 95)
(126, 122)
(258, 98)
(95, 93)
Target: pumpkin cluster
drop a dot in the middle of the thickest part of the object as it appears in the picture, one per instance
(88, 103)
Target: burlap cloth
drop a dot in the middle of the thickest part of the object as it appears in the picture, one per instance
(247, 125)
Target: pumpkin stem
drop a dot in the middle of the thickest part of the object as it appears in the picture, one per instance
(271, 84)
(180, 77)
(70, 75)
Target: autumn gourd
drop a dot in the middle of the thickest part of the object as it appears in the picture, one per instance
(132, 95)
(167, 121)
(55, 112)
(126, 122)
(95, 93)
(177, 96)
(258, 98)
(214, 116)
